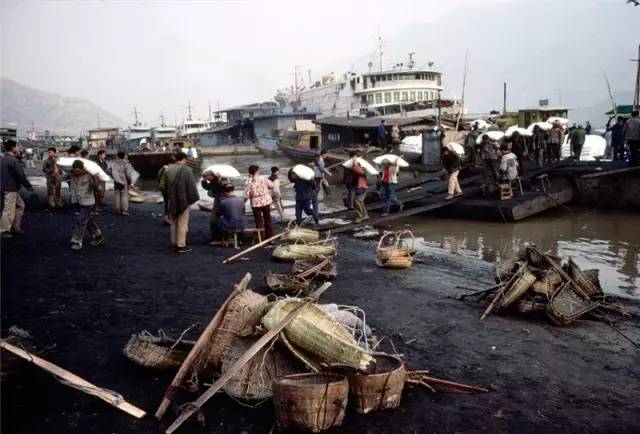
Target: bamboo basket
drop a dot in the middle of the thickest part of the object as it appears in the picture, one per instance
(394, 250)
(395, 244)
(299, 234)
(567, 305)
(518, 287)
(292, 252)
(236, 319)
(547, 283)
(380, 389)
(317, 332)
(254, 381)
(310, 402)
(287, 283)
(156, 352)
(529, 305)
(583, 282)
(329, 271)
(505, 268)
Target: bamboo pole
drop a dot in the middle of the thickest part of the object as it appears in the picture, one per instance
(246, 357)
(423, 378)
(464, 84)
(195, 351)
(254, 247)
(499, 295)
(73, 380)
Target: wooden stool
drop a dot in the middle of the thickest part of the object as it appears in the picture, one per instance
(505, 191)
(257, 233)
(230, 237)
(519, 180)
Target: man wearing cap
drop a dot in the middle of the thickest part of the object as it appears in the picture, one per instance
(12, 179)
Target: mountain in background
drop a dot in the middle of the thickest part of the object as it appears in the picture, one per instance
(556, 50)
(24, 107)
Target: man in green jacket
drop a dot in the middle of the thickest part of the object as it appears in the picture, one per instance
(576, 140)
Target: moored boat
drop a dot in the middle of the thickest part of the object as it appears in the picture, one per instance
(148, 163)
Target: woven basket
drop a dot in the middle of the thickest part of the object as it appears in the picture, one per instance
(567, 305)
(253, 382)
(310, 402)
(286, 283)
(518, 287)
(529, 305)
(317, 332)
(299, 234)
(505, 268)
(394, 250)
(395, 244)
(329, 271)
(292, 252)
(236, 318)
(380, 389)
(583, 281)
(155, 352)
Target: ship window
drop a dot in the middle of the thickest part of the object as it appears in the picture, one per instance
(387, 97)
(404, 96)
(396, 96)
(333, 137)
(378, 98)
(370, 98)
(417, 76)
(419, 95)
(358, 80)
(412, 96)
(364, 99)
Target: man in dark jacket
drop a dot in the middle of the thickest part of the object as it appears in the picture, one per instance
(214, 184)
(182, 191)
(305, 194)
(12, 179)
(518, 148)
(576, 139)
(230, 213)
(52, 174)
(617, 139)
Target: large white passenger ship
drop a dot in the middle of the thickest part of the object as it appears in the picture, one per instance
(403, 90)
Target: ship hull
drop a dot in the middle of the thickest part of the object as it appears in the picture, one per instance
(148, 164)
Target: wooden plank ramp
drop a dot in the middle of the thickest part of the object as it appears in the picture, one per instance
(427, 204)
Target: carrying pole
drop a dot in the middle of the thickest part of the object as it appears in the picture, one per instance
(204, 338)
(254, 247)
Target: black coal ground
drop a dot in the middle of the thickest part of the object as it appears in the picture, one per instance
(584, 378)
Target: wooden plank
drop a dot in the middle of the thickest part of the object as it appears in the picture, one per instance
(626, 171)
(73, 380)
(200, 343)
(433, 203)
(540, 203)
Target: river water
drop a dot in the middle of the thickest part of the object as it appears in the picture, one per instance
(608, 241)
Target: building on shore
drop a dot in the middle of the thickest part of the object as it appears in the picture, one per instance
(103, 137)
(529, 116)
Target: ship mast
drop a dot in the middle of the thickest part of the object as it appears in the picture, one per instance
(162, 124)
(135, 117)
(380, 48)
(636, 96)
(189, 108)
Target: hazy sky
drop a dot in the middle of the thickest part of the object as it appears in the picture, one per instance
(158, 55)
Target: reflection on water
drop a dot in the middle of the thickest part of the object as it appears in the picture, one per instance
(607, 241)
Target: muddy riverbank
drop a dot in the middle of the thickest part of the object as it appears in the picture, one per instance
(542, 378)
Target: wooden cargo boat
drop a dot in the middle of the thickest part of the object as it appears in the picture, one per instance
(148, 163)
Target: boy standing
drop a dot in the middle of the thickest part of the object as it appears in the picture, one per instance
(276, 195)
(52, 173)
(82, 186)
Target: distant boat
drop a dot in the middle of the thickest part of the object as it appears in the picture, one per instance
(149, 163)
